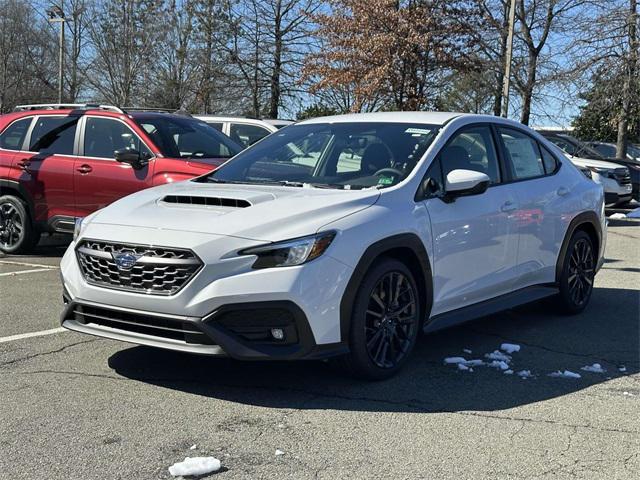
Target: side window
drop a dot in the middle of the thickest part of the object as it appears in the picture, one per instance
(550, 162)
(522, 153)
(54, 135)
(13, 137)
(217, 125)
(564, 145)
(471, 149)
(247, 134)
(103, 136)
(436, 182)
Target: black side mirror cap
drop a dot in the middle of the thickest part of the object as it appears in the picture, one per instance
(130, 156)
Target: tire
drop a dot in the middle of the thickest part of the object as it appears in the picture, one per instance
(17, 234)
(578, 272)
(378, 319)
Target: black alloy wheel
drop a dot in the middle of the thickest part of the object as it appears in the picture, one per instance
(391, 318)
(385, 319)
(578, 273)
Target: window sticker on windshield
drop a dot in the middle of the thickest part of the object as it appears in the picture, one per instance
(385, 180)
(419, 131)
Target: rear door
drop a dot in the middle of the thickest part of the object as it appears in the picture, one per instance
(475, 246)
(46, 166)
(543, 196)
(98, 178)
(11, 142)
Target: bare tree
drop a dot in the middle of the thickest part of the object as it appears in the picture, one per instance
(124, 37)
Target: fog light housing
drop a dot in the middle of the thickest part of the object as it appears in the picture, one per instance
(277, 333)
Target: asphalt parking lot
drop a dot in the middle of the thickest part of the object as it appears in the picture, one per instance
(79, 407)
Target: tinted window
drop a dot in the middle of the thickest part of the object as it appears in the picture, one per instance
(103, 136)
(54, 135)
(606, 150)
(341, 155)
(217, 125)
(178, 137)
(13, 137)
(247, 134)
(550, 162)
(563, 144)
(523, 154)
(471, 149)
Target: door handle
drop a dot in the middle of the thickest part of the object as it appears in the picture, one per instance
(508, 206)
(24, 164)
(563, 191)
(84, 168)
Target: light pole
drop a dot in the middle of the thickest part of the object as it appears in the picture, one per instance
(507, 60)
(56, 15)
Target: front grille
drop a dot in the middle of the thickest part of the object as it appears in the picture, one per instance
(146, 324)
(622, 176)
(152, 270)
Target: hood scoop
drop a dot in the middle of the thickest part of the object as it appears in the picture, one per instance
(206, 201)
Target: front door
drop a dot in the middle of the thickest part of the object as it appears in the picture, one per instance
(474, 243)
(99, 179)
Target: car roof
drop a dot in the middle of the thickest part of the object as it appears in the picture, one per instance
(433, 118)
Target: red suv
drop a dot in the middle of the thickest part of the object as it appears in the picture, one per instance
(61, 162)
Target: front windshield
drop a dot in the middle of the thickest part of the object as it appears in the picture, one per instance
(634, 151)
(583, 150)
(187, 138)
(333, 155)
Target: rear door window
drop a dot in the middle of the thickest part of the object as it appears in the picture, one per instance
(54, 135)
(13, 137)
(522, 153)
(246, 135)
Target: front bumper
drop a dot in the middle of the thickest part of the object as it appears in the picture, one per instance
(247, 339)
(310, 293)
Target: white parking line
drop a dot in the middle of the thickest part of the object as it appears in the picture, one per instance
(24, 264)
(32, 334)
(9, 274)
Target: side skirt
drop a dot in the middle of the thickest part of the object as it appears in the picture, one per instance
(489, 307)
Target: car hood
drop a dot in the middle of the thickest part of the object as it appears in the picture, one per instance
(586, 162)
(264, 213)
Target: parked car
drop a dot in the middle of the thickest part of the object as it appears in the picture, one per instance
(62, 162)
(632, 161)
(244, 131)
(616, 179)
(382, 225)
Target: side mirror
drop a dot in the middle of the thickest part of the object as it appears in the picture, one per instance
(130, 156)
(465, 182)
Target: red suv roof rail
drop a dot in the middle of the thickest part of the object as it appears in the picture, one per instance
(70, 106)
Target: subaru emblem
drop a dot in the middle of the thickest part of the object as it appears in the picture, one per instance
(125, 260)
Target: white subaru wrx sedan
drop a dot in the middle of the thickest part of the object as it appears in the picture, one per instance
(341, 237)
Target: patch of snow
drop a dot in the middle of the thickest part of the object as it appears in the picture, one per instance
(628, 394)
(622, 368)
(524, 374)
(617, 216)
(508, 372)
(279, 452)
(510, 347)
(453, 360)
(476, 362)
(466, 350)
(498, 355)
(595, 368)
(499, 364)
(564, 374)
(634, 213)
(193, 447)
(195, 466)
(462, 366)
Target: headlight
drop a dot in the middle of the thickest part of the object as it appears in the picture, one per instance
(290, 252)
(77, 228)
(605, 172)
